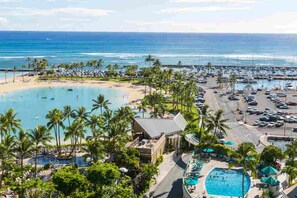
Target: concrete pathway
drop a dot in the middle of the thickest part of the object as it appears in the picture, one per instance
(169, 181)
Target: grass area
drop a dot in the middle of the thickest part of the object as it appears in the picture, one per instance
(109, 79)
(169, 107)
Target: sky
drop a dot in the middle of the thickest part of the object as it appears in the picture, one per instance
(214, 16)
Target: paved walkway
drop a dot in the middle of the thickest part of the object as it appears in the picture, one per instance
(169, 181)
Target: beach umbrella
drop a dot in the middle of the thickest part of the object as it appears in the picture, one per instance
(208, 150)
(269, 170)
(269, 180)
(248, 159)
(191, 182)
(229, 143)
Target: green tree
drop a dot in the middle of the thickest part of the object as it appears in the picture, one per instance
(23, 148)
(149, 59)
(41, 137)
(7, 149)
(217, 123)
(233, 81)
(14, 70)
(75, 131)
(148, 171)
(271, 154)
(102, 174)
(67, 113)
(55, 117)
(247, 157)
(101, 103)
(208, 66)
(68, 179)
(94, 150)
(291, 171)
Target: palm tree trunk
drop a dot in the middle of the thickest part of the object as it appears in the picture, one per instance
(2, 172)
(22, 175)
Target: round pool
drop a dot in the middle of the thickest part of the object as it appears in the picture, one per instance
(225, 182)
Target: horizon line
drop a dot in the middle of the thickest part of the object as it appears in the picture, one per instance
(161, 32)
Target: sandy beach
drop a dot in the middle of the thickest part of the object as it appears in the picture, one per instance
(133, 92)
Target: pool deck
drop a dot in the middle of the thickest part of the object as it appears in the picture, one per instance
(200, 189)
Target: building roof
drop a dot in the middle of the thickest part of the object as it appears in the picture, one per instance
(155, 127)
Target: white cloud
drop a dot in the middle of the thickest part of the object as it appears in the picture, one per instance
(202, 9)
(3, 20)
(96, 12)
(214, 1)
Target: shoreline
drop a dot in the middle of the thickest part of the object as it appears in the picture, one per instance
(133, 92)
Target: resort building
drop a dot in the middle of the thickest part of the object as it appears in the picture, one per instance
(152, 134)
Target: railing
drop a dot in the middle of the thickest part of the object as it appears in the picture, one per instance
(186, 193)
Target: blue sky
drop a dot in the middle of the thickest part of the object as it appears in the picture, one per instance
(249, 16)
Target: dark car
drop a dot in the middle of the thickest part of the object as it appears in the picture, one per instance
(294, 129)
(253, 103)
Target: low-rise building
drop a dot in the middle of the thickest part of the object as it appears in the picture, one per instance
(153, 133)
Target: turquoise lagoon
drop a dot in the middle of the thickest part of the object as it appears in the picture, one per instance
(31, 105)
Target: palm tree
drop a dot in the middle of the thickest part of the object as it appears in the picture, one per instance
(75, 131)
(247, 157)
(14, 70)
(95, 123)
(94, 150)
(67, 113)
(142, 107)
(208, 66)
(149, 59)
(217, 123)
(5, 72)
(7, 148)
(99, 64)
(23, 67)
(232, 81)
(101, 103)
(3, 126)
(23, 149)
(81, 113)
(55, 117)
(291, 171)
(40, 136)
(12, 122)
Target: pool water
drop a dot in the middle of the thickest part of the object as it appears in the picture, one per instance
(280, 144)
(32, 105)
(225, 182)
(41, 160)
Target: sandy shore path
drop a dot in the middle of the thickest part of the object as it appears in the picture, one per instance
(134, 92)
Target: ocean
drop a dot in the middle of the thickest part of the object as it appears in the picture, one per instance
(131, 48)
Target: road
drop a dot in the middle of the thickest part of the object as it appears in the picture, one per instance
(171, 186)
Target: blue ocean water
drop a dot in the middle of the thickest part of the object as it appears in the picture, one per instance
(131, 48)
(31, 105)
(226, 182)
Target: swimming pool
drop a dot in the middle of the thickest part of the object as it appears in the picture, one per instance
(225, 182)
(41, 160)
(279, 143)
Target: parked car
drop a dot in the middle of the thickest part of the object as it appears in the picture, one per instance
(283, 107)
(291, 103)
(253, 103)
(280, 94)
(267, 92)
(294, 129)
(263, 124)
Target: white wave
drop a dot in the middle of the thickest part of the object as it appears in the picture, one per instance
(24, 57)
(225, 56)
